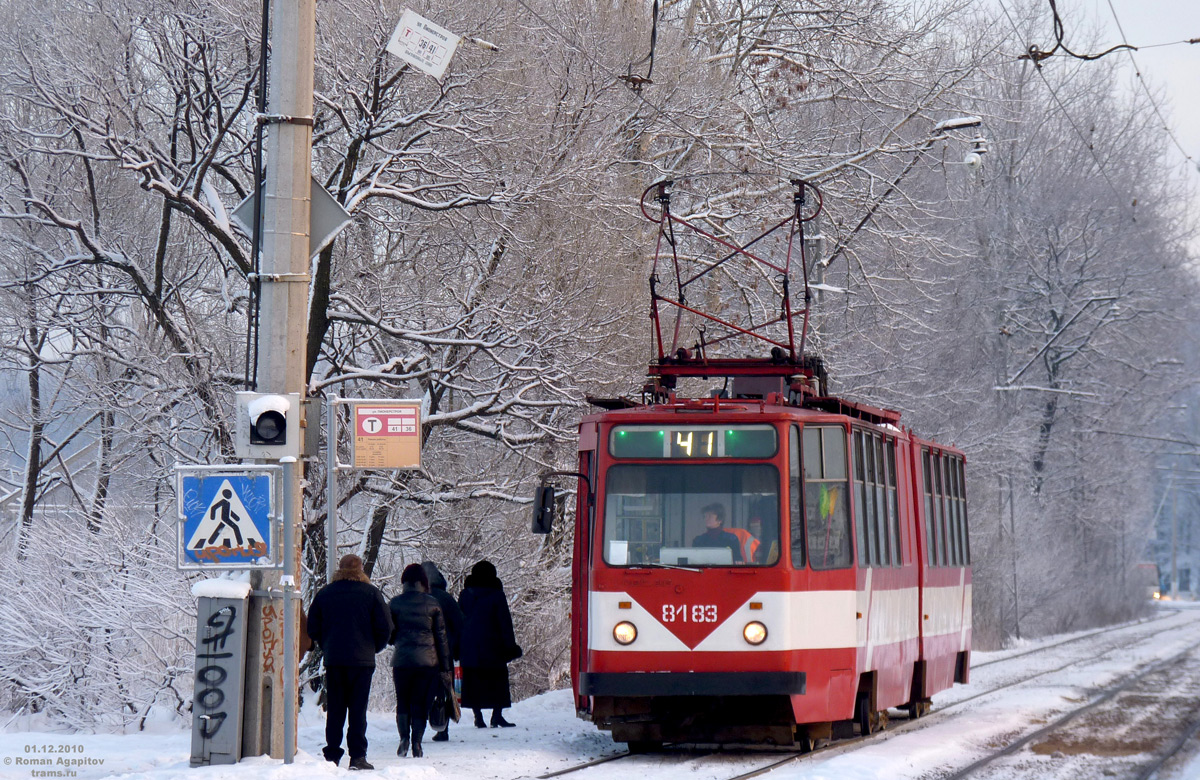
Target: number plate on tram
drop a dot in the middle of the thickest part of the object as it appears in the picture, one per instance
(689, 613)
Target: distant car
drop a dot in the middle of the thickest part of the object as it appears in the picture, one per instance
(1146, 576)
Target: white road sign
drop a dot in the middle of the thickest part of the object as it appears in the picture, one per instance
(422, 43)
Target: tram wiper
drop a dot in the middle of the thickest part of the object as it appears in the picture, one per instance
(666, 566)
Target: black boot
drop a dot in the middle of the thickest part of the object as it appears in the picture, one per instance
(479, 724)
(443, 735)
(402, 727)
(498, 720)
(418, 731)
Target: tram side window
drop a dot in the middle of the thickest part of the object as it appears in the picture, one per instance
(826, 490)
(881, 521)
(946, 529)
(795, 491)
(931, 540)
(892, 510)
(860, 499)
(875, 519)
(951, 510)
(939, 502)
(962, 497)
(940, 485)
(956, 528)
(959, 499)
(872, 505)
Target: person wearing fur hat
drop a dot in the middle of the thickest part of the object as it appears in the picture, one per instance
(488, 644)
(422, 655)
(350, 622)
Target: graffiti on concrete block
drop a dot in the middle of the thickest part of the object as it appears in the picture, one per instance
(211, 672)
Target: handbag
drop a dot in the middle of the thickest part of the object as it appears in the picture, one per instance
(450, 687)
(438, 717)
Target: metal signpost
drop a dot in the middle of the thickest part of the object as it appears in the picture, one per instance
(387, 435)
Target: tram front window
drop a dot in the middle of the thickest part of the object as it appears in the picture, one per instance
(692, 515)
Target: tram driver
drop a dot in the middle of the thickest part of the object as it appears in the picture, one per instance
(715, 535)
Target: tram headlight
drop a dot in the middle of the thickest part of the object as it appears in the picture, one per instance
(755, 633)
(624, 632)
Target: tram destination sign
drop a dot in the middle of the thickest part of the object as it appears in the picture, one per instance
(387, 435)
(693, 441)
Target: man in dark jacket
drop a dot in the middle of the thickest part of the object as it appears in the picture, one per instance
(422, 654)
(454, 620)
(350, 622)
(488, 644)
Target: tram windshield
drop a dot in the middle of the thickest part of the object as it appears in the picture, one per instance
(692, 515)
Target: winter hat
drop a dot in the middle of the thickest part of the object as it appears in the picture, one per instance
(350, 567)
(484, 570)
(415, 573)
(350, 563)
(483, 575)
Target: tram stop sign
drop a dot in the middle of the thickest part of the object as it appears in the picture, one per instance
(423, 44)
(387, 435)
(228, 517)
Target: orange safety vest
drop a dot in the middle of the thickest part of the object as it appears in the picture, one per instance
(748, 542)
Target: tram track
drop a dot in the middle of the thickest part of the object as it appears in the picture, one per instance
(1120, 721)
(1134, 641)
(1165, 613)
(677, 756)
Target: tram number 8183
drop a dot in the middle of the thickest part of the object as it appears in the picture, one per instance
(693, 613)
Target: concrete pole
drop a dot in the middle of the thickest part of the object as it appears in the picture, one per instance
(282, 335)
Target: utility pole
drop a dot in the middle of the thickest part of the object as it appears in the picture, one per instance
(282, 335)
(1174, 538)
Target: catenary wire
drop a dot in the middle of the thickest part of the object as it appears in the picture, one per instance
(616, 77)
(1037, 55)
(1146, 88)
(1062, 106)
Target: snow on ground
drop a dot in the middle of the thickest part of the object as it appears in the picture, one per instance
(548, 737)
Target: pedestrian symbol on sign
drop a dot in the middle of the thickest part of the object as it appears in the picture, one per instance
(229, 519)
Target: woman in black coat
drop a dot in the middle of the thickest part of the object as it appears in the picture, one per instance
(488, 644)
(422, 653)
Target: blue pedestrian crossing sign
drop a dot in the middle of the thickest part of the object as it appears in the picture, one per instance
(228, 517)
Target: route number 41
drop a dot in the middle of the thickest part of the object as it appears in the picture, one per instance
(693, 613)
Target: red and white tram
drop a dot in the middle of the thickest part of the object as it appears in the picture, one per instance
(770, 566)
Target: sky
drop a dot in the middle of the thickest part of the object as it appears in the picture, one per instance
(549, 737)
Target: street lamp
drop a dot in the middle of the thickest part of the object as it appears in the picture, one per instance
(939, 132)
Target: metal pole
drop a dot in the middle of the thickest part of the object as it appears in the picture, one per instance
(1000, 537)
(282, 334)
(291, 654)
(331, 462)
(1174, 538)
(1012, 522)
